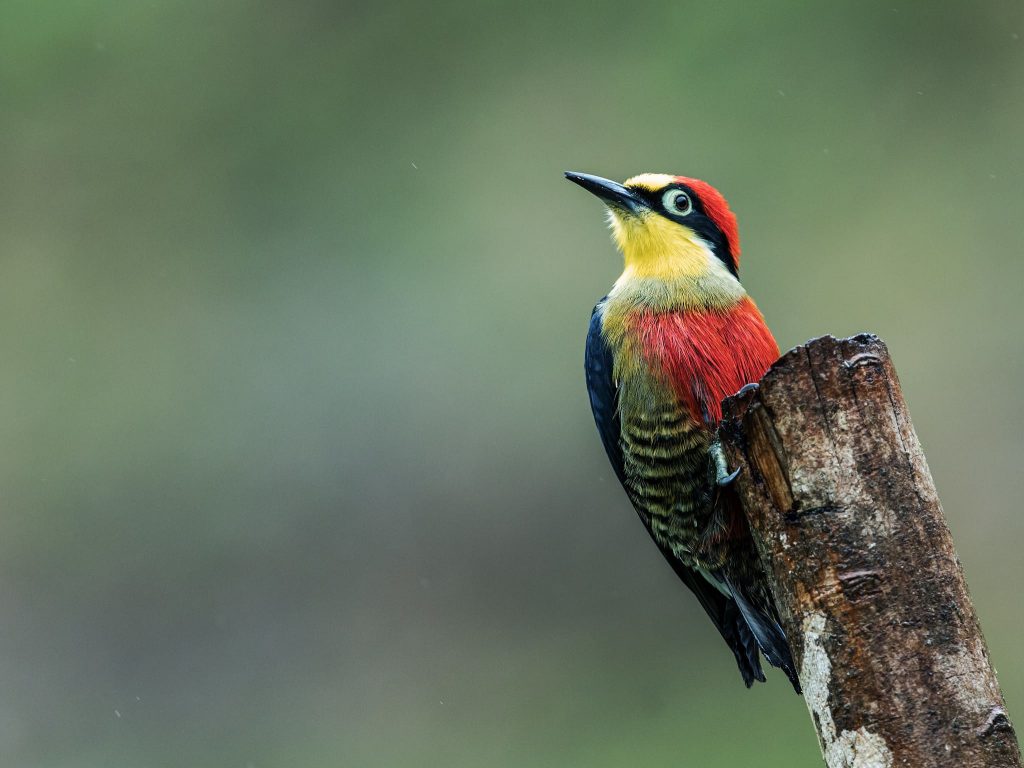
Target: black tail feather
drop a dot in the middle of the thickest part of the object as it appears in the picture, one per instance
(744, 647)
(747, 630)
(768, 635)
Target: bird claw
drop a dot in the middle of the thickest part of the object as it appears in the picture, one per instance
(728, 479)
(723, 476)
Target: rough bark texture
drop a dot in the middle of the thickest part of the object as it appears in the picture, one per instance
(847, 521)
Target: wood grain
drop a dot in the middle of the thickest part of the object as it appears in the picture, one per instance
(849, 527)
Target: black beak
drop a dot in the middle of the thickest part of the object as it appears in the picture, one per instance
(614, 194)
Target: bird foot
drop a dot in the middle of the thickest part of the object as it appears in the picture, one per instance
(730, 478)
(723, 477)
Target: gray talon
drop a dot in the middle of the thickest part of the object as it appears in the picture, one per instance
(722, 474)
(728, 479)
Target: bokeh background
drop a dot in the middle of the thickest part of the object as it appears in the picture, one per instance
(297, 464)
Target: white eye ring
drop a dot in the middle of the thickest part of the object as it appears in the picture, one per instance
(676, 201)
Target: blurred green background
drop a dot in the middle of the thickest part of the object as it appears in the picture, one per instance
(298, 468)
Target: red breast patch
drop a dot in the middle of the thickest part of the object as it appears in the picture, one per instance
(707, 355)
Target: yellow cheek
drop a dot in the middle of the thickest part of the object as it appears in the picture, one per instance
(653, 246)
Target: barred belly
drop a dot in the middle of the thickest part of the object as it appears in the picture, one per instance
(667, 473)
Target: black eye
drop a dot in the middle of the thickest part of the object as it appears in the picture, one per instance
(678, 202)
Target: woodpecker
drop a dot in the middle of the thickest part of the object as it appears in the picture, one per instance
(675, 335)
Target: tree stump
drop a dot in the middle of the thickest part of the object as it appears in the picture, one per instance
(848, 525)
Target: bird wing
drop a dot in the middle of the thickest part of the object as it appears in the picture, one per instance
(604, 402)
(604, 397)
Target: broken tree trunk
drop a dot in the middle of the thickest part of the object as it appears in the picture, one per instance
(848, 524)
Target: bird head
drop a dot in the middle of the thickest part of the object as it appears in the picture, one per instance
(668, 226)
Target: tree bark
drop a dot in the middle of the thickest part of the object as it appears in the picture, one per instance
(848, 525)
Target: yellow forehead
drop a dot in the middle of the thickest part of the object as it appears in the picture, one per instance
(652, 182)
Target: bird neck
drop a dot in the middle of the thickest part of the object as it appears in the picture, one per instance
(669, 267)
(712, 290)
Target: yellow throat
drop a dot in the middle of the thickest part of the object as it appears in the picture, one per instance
(666, 264)
(653, 246)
